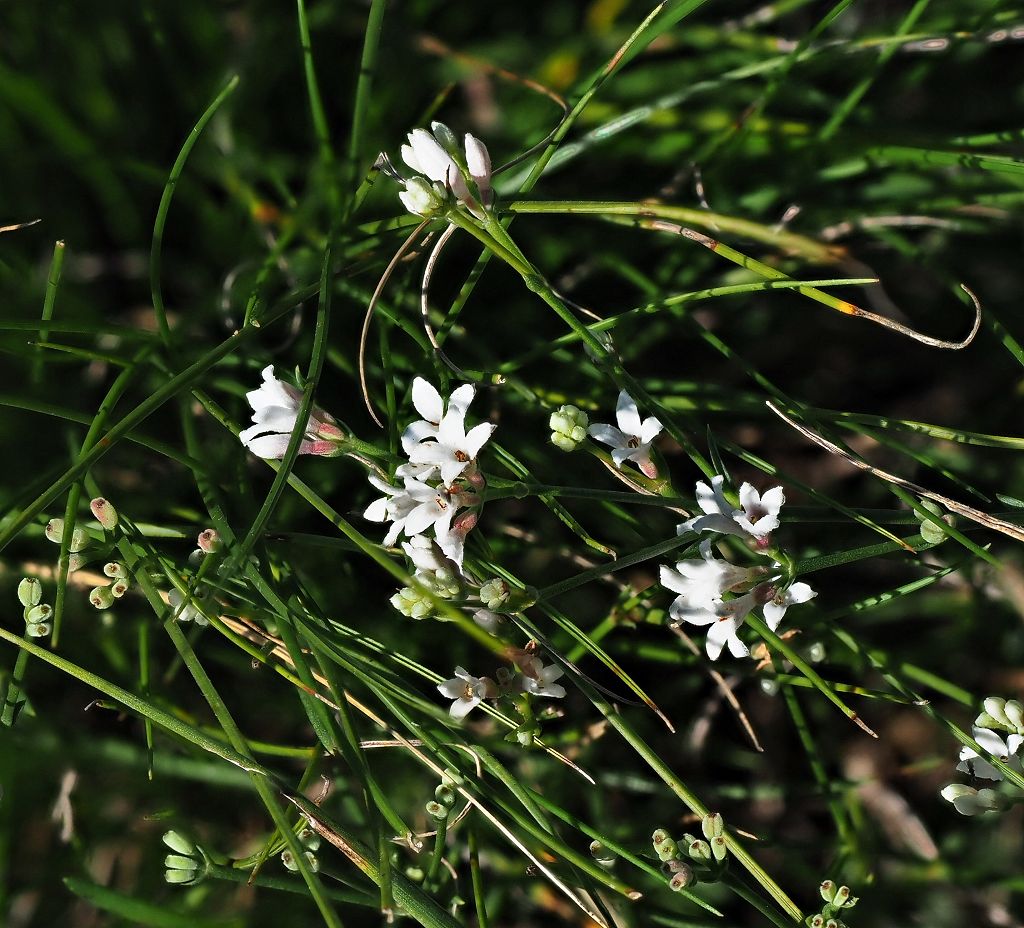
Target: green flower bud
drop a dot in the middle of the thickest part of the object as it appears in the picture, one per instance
(177, 862)
(827, 890)
(118, 588)
(101, 597)
(115, 570)
(176, 841)
(54, 530)
(719, 848)
(288, 859)
(1014, 713)
(436, 811)
(37, 629)
(660, 836)
(667, 850)
(700, 851)
(842, 894)
(682, 878)
(104, 513)
(444, 583)
(180, 876)
(451, 777)
(712, 826)
(30, 592)
(445, 795)
(446, 139)
(568, 427)
(411, 603)
(931, 532)
(494, 593)
(40, 613)
(816, 921)
(309, 838)
(76, 562)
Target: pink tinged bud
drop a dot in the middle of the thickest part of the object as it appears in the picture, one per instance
(328, 431)
(209, 541)
(324, 449)
(465, 523)
(648, 468)
(104, 513)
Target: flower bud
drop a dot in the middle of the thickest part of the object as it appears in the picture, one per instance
(411, 603)
(667, 850)
(309, 838)
(76, 562)
(209, 541)
(118, 588)
(699, 851)
(30, 592)
(436, 811)
(179, 876)
(177, 862)
(719, 848)
(827, 890)
(712, 826)
(494, 593)
(682, 878)
(842, 894)
(115, 570)
(816, 921)
(443, 582)
(487, 620)
(421, 197)
(101, 597)
(104, 513)
(445, 138)
(176, 841)
(568, 426)
(37, 629)
(54, 530)
(40, 613)
(445, 795)
(1014, 713)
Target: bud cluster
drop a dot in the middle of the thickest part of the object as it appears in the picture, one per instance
(310, 842)
(37, 613)
(836, 899)
(568, 426)
(692, 859)
(188, 864)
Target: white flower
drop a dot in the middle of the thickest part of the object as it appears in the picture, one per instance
(467, 691)
(758, 518)
(428, 403)
(393, 507)
(725, 619)
(275, 406)
(706, 579)
(1007, 751)
(538, 679)
(631, 441)
(425, 554)
(434, 153)
(454, 449)
(776, 607)
(970, 801)
(760, 515)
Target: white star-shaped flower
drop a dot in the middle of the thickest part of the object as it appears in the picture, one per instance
(428, 403)
(537, 679)
(758, 518)
(724, 617)
(453, 449)
(704, 580)
(631, 441)
(776, 607)
(467, 691)
(275, 408)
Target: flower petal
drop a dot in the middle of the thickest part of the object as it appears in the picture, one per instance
(377, 511)
(462, 707)
(608, 435)
(627, 415)
(649, 430)
(462, 397)
(477, 438)
(427, 400)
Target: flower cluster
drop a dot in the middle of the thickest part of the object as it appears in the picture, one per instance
(999, 716)
(837, 898)
(440, 478)
(188, 863)
(445, 168)
(275, 409)
(632, 440)
(531, 676)
(720, 594)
